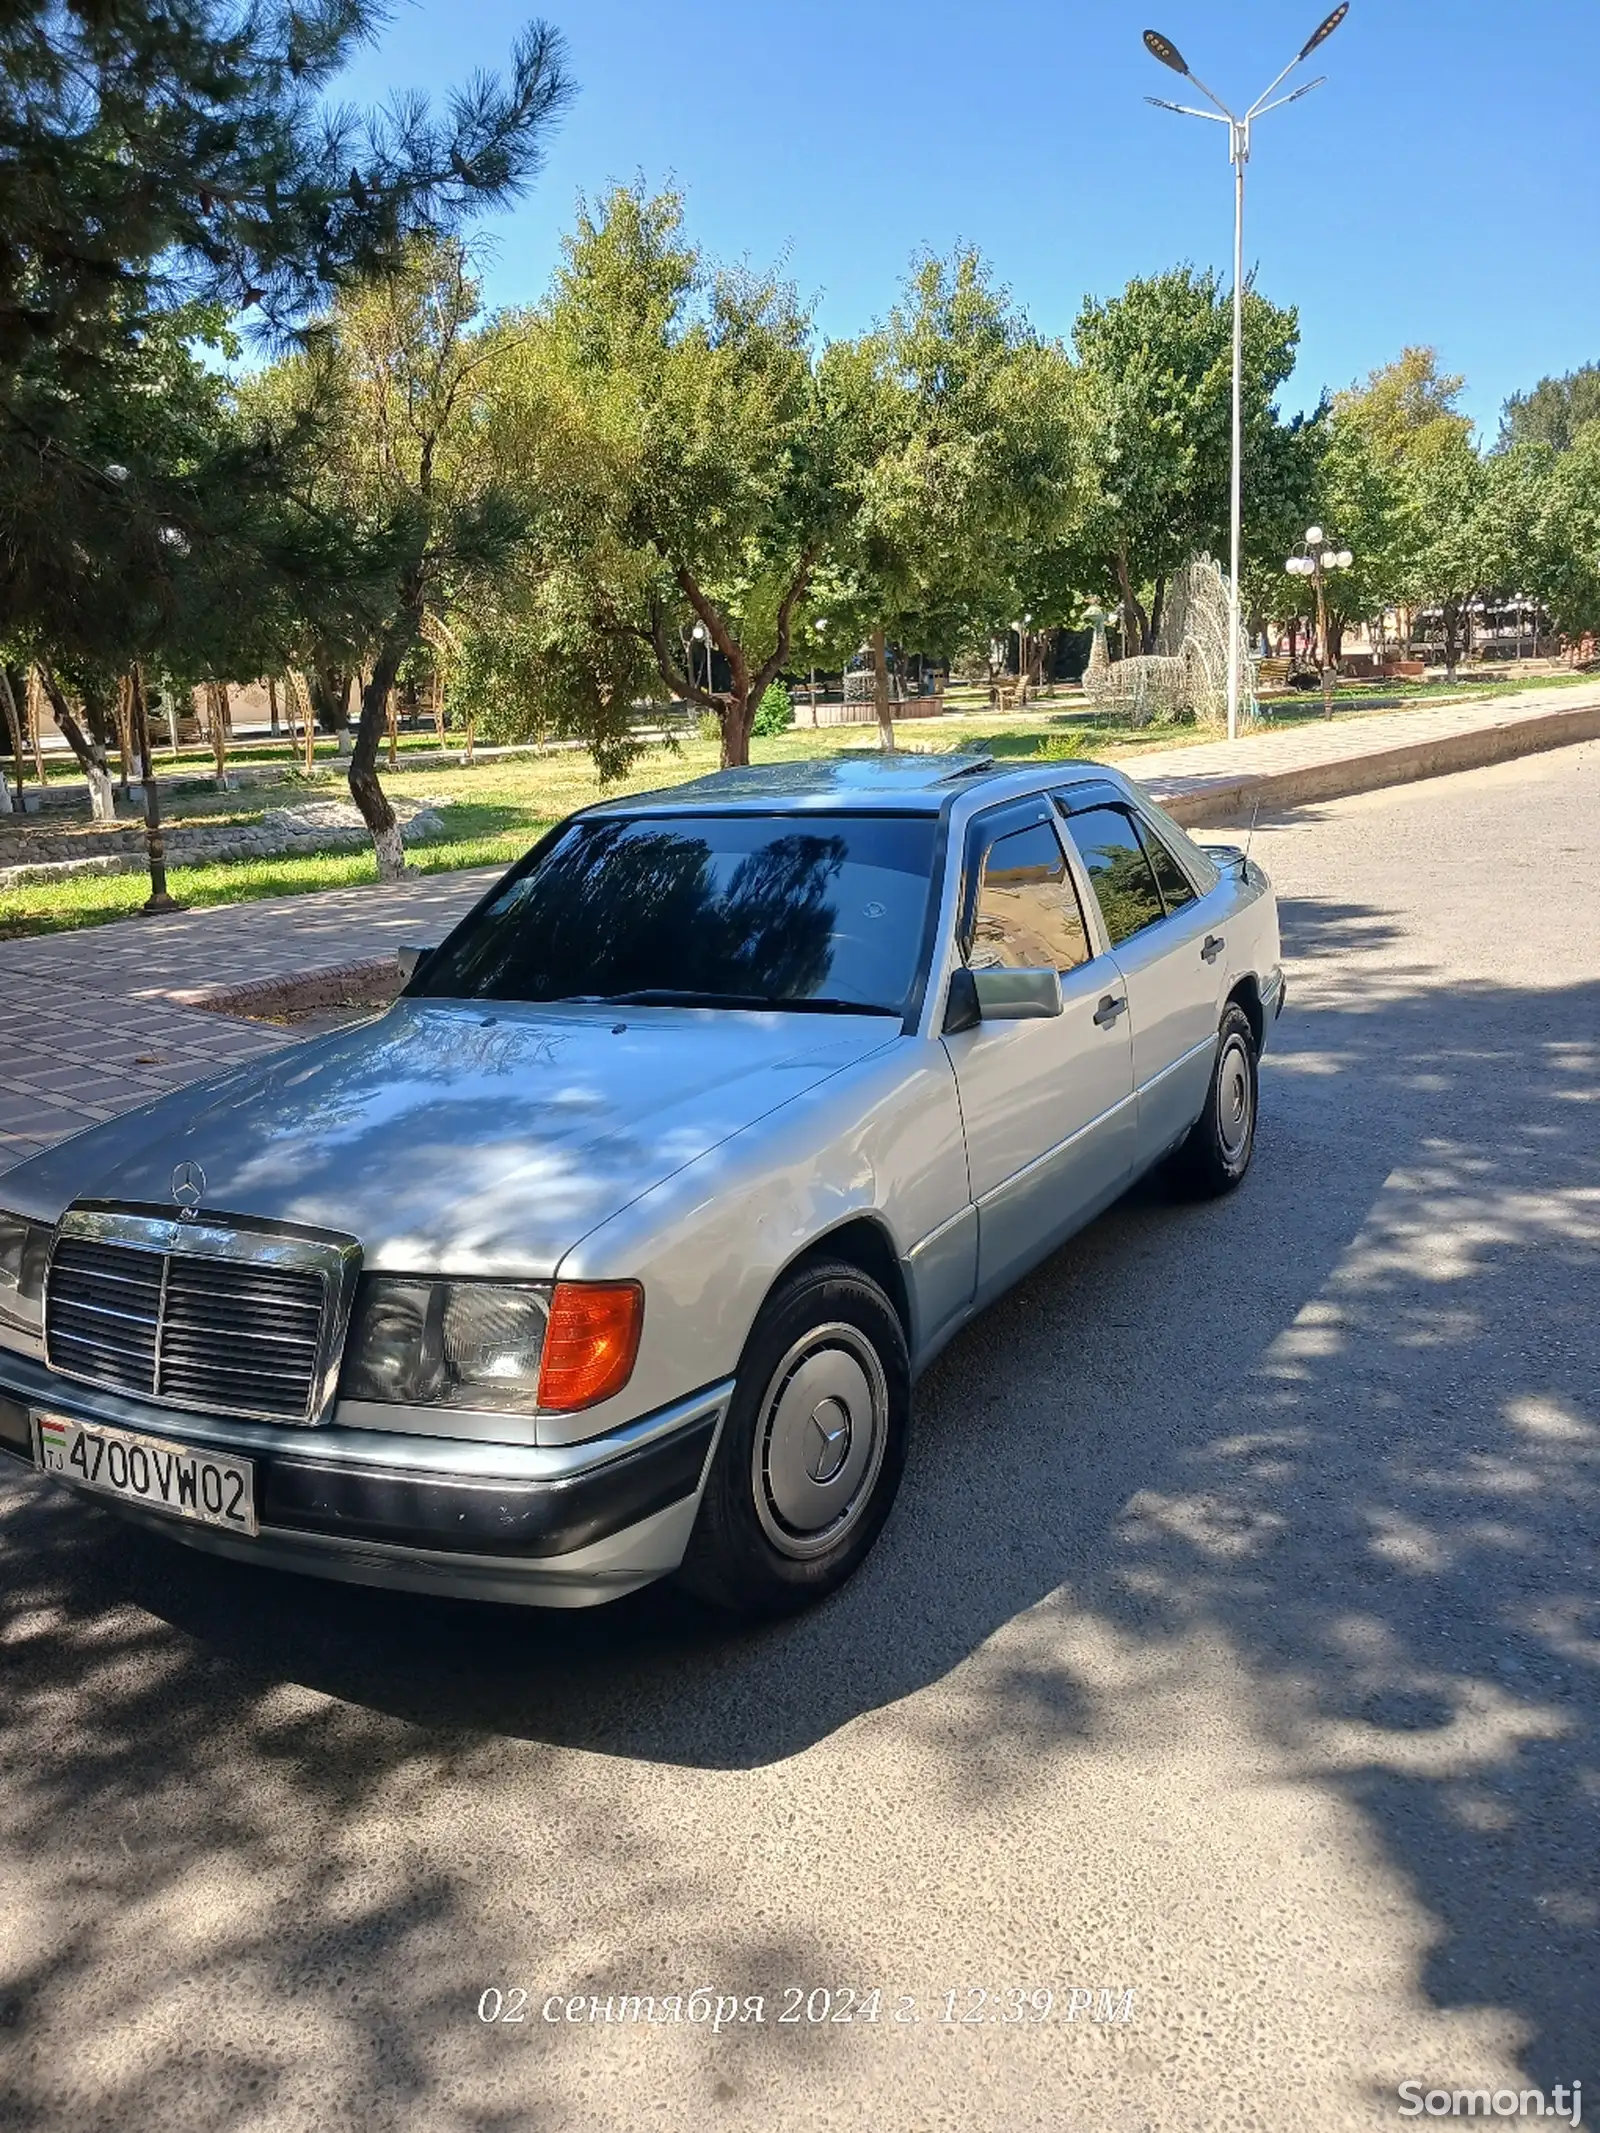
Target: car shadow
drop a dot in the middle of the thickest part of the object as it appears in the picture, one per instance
(1346, 1417)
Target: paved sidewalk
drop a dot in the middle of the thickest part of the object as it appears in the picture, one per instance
(1393, 747)
(93, 1022)
(88, 1023)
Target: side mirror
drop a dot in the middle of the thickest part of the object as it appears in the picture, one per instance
(1000, 995)
(1017, 995)
(411, 959)
(961, 1009)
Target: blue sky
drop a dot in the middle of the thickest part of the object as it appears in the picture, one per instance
(1441, 188)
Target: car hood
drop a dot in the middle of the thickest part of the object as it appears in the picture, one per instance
(459, 1137)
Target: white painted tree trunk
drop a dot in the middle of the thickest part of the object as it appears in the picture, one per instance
(391, 851)
(102, 796)
(5, 796)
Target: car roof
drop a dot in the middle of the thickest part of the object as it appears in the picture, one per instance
(860, 781)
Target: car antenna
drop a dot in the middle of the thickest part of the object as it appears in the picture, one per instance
(1250, 840)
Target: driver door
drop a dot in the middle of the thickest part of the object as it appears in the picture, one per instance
(1047, 1105)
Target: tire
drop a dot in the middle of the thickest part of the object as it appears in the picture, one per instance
(1216, 1154)
(811, 1455)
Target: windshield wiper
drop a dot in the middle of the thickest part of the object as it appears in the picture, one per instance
(765, 1003)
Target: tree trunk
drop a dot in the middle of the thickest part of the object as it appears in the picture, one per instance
(391, 713)
(1451, 626)
(1135, 623)
(365, 790)
(736, 718)
(125, 748)
(8, 696)
(1156, 606)
(102, 803)
(330, 696)
(36, 723)
(272, 703)
(880, 692)
(16, 701)
(217, 714)
(438, 708)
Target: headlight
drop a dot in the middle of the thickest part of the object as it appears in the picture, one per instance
(508, 1347)
(24, 1249)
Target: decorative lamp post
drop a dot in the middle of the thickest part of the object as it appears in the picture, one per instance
(1167, 52)
(1321, 557)
(698, 633)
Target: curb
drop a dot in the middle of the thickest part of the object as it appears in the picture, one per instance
(1407, 765)
(371, 981)
(375, 980)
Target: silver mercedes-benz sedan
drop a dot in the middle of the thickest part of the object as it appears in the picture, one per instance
(614, 1248)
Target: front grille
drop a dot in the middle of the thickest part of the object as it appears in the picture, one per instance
(230, 1335)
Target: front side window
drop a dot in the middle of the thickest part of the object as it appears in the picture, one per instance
(1027, 915)
(1119, 870)
(803, 912)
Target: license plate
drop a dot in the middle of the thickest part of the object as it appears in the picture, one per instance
(208, 1488)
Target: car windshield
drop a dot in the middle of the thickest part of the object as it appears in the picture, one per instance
(818, 913)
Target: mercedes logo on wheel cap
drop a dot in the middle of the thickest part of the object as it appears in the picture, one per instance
(830, 1442)
(188, 1188)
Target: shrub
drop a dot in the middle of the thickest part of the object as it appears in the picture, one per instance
(1064, 747)
(774, 713)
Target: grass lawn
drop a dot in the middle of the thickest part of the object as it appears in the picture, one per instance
(496, 809)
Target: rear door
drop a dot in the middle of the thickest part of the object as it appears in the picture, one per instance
(1047, 1106)
(1169, 946)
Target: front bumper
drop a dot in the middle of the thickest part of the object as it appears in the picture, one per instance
(562, 1526)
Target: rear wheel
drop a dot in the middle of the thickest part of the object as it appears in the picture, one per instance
(1217, 1153)
(812, 1450)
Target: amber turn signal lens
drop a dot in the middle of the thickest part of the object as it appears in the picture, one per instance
(590, 1343)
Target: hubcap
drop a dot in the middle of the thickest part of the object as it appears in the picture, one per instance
(1235, 1100)
(819, 1441)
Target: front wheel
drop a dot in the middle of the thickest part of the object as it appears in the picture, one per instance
(813, 1448)
(1222, 1140)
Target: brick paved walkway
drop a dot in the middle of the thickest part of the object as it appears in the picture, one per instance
(89, 1025)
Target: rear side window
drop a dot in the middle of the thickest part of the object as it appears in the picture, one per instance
(1176, 888)
(1027, 915)
(1119, 870)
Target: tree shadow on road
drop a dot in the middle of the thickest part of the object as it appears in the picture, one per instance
(1346, 1419)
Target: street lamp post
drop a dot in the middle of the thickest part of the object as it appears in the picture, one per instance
(1167, 52)
(1320, 557)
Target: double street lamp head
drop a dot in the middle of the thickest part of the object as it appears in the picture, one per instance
(1163, 49)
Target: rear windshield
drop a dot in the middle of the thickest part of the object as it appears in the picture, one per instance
(814, 912)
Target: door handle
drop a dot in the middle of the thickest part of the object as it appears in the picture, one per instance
(1105, 1015)
(1214, 945)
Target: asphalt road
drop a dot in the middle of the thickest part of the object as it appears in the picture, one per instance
(1236, 1644)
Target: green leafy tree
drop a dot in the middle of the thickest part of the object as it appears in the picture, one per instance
(1360, 501)
(392, 466)
(677, 462)
(1157, 364)
(1406, 421)
(1565, 544)
(1554, 412)
(964, 431)
(163, 153)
